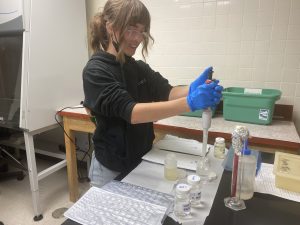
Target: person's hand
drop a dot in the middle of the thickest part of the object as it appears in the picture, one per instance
(206, 95)
(218, 92)
(201, 79)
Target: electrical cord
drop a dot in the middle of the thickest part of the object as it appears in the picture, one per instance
(89, 148)
(74, 141)
(12, 158)
(55, 117)
(86, 153)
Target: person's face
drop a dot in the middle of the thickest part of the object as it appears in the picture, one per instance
(133, 36)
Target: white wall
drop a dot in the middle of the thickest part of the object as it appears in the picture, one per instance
(250, 43)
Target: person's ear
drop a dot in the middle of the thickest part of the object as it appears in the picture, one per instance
(109, 28)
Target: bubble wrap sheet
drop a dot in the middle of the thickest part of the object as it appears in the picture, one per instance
(98, 206)
(140, 193)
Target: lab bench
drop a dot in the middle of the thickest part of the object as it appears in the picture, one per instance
(279, 136)
(261, 209)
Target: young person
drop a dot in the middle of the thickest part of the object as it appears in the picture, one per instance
(125, 95)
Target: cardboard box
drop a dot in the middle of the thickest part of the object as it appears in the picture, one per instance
(287, 171)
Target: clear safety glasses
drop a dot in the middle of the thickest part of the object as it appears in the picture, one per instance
(132, 33)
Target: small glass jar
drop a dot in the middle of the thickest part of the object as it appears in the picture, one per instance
(182, 204)
(219, 148)
(170, 169)
(196, 189)
(203, 168)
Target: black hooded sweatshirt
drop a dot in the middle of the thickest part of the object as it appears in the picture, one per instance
(111, 91)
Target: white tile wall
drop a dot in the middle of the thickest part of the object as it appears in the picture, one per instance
(250, 43)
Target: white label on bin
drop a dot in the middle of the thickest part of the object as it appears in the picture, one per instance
(264, 114)
(256, 91)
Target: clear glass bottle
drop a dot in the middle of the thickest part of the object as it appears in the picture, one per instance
(246, 175)
(196, 189)
(219, 148)
(170, 169)
(182, 204)
(203, 168)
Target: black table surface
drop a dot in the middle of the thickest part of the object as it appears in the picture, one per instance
(262, 209)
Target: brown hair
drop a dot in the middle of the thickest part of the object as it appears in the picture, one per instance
(121, 14)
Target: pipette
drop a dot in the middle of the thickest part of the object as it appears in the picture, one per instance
(203, 169)
(206, 121)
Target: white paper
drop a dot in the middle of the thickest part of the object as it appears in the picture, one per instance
(184, 161)
(265, 183)
(176, 144)
(151, 175)
(256, 91)
(187, 151)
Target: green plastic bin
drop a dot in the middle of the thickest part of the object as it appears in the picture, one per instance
(250, 105)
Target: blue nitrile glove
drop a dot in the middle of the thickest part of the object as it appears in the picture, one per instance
(200, 79)
(204, 96)
(218, 94)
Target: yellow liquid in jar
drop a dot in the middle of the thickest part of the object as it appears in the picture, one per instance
(171, 173)
(219, 151)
